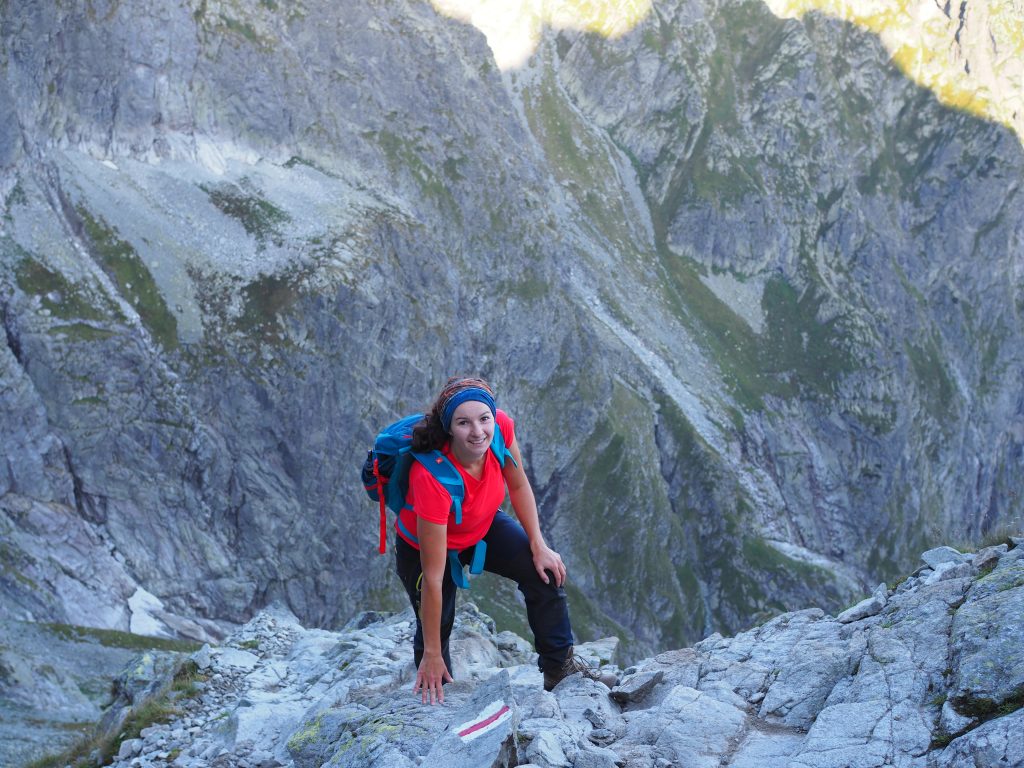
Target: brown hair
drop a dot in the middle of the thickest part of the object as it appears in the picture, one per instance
(429, 434)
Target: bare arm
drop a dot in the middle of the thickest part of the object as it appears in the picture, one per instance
(525, 505)
(432, 672)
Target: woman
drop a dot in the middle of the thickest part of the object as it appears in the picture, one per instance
(461, 424)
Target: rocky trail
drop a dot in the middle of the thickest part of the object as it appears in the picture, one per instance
(929, 674)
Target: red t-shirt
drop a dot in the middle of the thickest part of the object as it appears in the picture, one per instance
(433, 503)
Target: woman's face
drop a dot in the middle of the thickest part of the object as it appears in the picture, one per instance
(472, 430)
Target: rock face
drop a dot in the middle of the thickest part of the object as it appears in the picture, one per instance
(753, 298)
(905, 687)
(55, 682)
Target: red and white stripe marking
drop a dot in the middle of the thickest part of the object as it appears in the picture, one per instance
(494, 714)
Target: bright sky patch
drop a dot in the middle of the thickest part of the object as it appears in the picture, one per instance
(970, 55)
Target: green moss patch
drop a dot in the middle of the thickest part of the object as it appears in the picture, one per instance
(264, 299)
(811, 351)
(13, 563)
(258, 216)
(404, 154)
(982, 710)
(134, 281)
(80, 332)
(113, 638)
(798, 354)
(62, 298)
(307, 734)
(933, 379)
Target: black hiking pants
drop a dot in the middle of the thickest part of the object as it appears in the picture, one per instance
(508, 555)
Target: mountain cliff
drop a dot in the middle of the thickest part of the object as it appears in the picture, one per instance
(752, 296)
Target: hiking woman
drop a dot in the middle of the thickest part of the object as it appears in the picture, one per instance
(462, 424)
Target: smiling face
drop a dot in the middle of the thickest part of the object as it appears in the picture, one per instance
(472, 431)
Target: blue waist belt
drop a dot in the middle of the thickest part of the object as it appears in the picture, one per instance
(458, 575)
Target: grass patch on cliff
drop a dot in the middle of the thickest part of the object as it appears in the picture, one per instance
(500, 600)
(184, 682)
(245, 30)
(404, 153)
(530, 288)
(797, 342)
(100, 749)
(798, 354)
(80, 332)
(239, 314)
(61, 298)
(803, 351)
(263, 300)
(297, 160)
(223, 25)
(260, 218)
(12, 564)
(708, 171)
(934, 381)
(753, 578)
(113, 638)
(578, 158)
(133, 279)
(15, 197)
(629, 540)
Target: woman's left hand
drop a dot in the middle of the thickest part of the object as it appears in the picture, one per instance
(546, 559)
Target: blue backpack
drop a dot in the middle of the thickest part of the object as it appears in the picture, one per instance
(385, 476)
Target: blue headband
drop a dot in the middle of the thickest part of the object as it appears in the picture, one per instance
(464, 396)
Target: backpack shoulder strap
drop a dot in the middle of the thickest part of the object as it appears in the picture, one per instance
(442, 470)
(499, 449)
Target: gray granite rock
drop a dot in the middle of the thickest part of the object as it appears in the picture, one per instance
(800, 690)
(936, 557)
(820, 656)
(949, 569)
(988, 640)
(868, 607)
(987, 558)
(544, 750)
(635, 687)
(995, 743)
(591, 757)
(482, 731)
(952, 722)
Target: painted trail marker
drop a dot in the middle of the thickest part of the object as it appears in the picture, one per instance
(481, 731)
(493, 715)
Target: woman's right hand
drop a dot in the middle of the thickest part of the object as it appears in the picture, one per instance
(430, 677)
